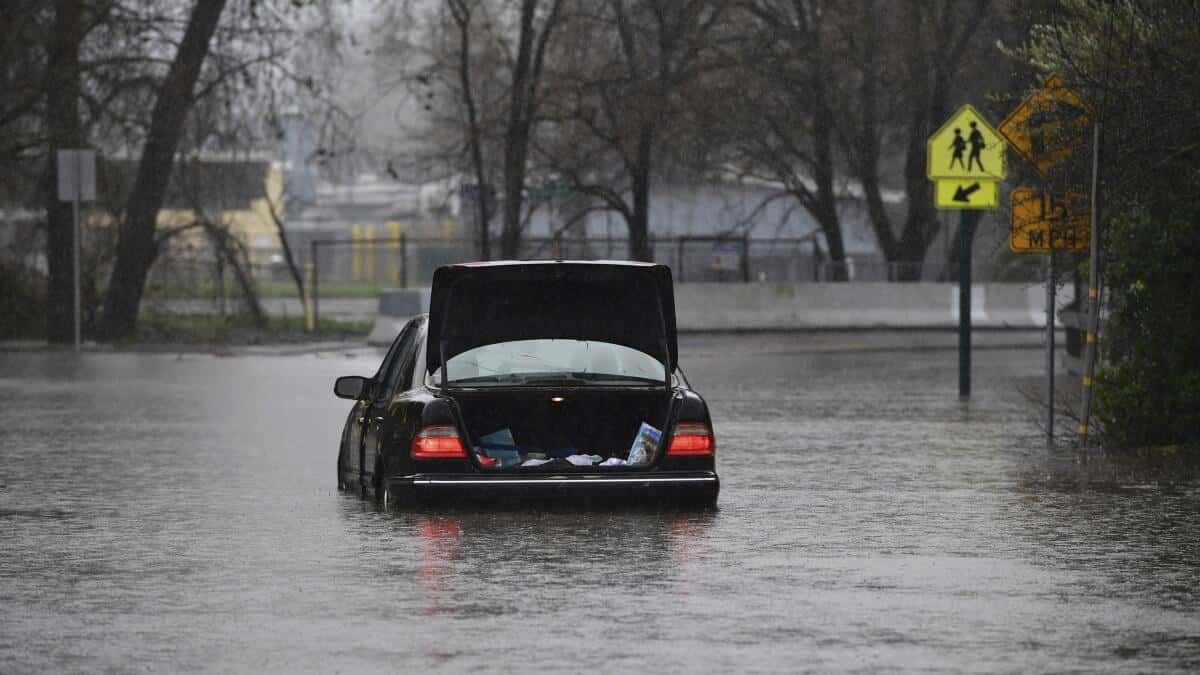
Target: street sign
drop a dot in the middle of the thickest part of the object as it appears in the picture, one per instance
(954, 193)
(1043, 222)
(76, 175)
(1048, 125)
(966, 147)
(727, 256)
(548, 191)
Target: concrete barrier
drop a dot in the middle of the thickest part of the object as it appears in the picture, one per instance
(737, 307)
(853, 306)
(396, 307)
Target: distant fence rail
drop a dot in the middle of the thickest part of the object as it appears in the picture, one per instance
(407, 261)
(359, 266)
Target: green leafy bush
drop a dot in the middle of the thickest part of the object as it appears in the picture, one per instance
(1150, 392)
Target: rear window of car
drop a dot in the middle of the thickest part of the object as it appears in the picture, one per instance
(552, 362)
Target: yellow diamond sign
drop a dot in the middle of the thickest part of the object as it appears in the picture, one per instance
(966, 147)
(1048, 125)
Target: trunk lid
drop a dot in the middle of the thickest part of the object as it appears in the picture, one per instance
(625, 303)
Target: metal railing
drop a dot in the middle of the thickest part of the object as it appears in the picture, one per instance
(359, 266)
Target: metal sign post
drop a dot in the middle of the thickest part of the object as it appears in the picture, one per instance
(1045, 129)
(1093, 304)
(76, 170)
(966, 231)
(1050, 298)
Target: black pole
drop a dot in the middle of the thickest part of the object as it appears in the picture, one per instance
(679, 259)
(403, 260)
(966, 231)
(1051, 290)
(745, 260)
(315, 290)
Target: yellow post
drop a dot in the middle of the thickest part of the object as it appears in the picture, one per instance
(310, 323)
(369, 242)
(448, 228)
(394, 251)
(355, 253)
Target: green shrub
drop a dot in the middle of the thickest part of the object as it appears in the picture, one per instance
(1149, 394)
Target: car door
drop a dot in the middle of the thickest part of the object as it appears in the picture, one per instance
(392, 381)
(350, 457)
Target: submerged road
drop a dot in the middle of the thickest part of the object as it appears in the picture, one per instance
(171, 513)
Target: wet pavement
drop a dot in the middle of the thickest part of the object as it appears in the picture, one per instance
(166, 512)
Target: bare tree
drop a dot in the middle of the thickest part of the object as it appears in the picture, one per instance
(919, 76)
(136, 249)
(782, 129)
(463, 12)
(524, 98)
(619, 97)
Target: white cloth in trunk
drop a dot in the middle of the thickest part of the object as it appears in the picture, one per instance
(584, 460)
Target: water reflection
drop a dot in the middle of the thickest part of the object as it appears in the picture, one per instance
(439, 539)
(520, 554)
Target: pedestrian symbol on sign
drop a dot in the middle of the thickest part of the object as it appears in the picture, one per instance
(966, 147)
(977, 146)
(958, 145)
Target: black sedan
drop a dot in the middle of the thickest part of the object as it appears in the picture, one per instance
(532, 380)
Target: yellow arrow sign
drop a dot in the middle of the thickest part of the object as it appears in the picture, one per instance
(1047, 127)
(956, 193)
(1043, 222)
(966, 146)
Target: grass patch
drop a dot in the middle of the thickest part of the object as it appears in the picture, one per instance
(163, 327)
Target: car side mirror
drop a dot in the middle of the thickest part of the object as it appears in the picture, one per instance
(351, 386)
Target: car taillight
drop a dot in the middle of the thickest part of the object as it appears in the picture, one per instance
(691, 439)
(439, 441)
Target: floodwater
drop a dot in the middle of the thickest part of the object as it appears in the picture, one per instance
(169, 513)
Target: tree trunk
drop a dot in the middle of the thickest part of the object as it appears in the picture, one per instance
(516, 144)
(231, 251)
(462, 16)
(516, 135)
(285, 244)
(830, 224)
(136, 249)
(826, 197)
(639, 224)
(866, 150)
(63, 126)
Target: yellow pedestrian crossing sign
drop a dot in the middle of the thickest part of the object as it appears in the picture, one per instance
(966, 147)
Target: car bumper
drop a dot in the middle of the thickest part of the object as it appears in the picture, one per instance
(691, 486)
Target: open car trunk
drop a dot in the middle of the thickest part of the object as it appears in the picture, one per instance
(603, 332)
(547, 427)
